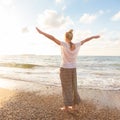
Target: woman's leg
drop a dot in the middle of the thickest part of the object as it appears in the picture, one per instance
(76, 95)
(66, 82)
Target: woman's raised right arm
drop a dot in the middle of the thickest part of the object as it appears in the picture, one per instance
(90, 38)
(49, 36)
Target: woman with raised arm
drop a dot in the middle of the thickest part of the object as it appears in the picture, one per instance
(68, 75)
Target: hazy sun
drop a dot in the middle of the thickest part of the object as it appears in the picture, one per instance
(8, 26)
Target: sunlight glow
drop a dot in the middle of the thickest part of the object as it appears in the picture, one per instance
(19, 36)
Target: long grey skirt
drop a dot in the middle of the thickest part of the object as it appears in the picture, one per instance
(69, 86)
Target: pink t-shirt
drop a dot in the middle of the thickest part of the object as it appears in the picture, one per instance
(69, 56)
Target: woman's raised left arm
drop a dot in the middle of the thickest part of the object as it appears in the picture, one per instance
(49, 36)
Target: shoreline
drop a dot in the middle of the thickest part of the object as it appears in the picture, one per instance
(102, 98)
(45, 103)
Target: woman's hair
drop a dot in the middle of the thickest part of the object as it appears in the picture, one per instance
(69, 34)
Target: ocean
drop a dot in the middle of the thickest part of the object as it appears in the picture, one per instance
(94, 72)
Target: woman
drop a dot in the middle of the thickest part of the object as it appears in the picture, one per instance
(68, 74)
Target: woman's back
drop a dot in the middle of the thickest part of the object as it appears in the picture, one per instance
(69, 55)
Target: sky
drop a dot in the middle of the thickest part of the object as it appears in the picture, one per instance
(18, 19)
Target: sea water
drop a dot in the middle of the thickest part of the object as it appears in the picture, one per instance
(94, 72)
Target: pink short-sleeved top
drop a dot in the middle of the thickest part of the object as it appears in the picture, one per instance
(69, 56)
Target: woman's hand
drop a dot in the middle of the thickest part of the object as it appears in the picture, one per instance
(39, 30)
(97, 36)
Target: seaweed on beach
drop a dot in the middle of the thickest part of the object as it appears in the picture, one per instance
(18, 65)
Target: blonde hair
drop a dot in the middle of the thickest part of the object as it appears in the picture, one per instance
(69, 34)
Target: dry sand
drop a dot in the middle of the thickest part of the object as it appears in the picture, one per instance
(44, 104)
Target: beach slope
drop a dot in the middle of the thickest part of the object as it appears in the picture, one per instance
(39, 105)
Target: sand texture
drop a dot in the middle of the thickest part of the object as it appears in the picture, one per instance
(22, 105)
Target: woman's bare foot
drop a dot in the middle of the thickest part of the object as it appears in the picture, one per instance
(73, 108)
(65, 108)
(70, 108)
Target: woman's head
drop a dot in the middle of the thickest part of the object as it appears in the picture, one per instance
(69, 35)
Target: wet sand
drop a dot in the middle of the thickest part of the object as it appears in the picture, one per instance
(44, 104)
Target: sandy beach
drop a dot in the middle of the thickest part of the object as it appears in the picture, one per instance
(44, 104)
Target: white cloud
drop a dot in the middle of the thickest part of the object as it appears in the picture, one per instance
(58, 1)
(52, 19)
(107, 44)
(8, 18)
(25, 30)
(87, 18)
(6, 2)
(116, 17)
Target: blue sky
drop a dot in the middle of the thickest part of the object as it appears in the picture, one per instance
(86, 17)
